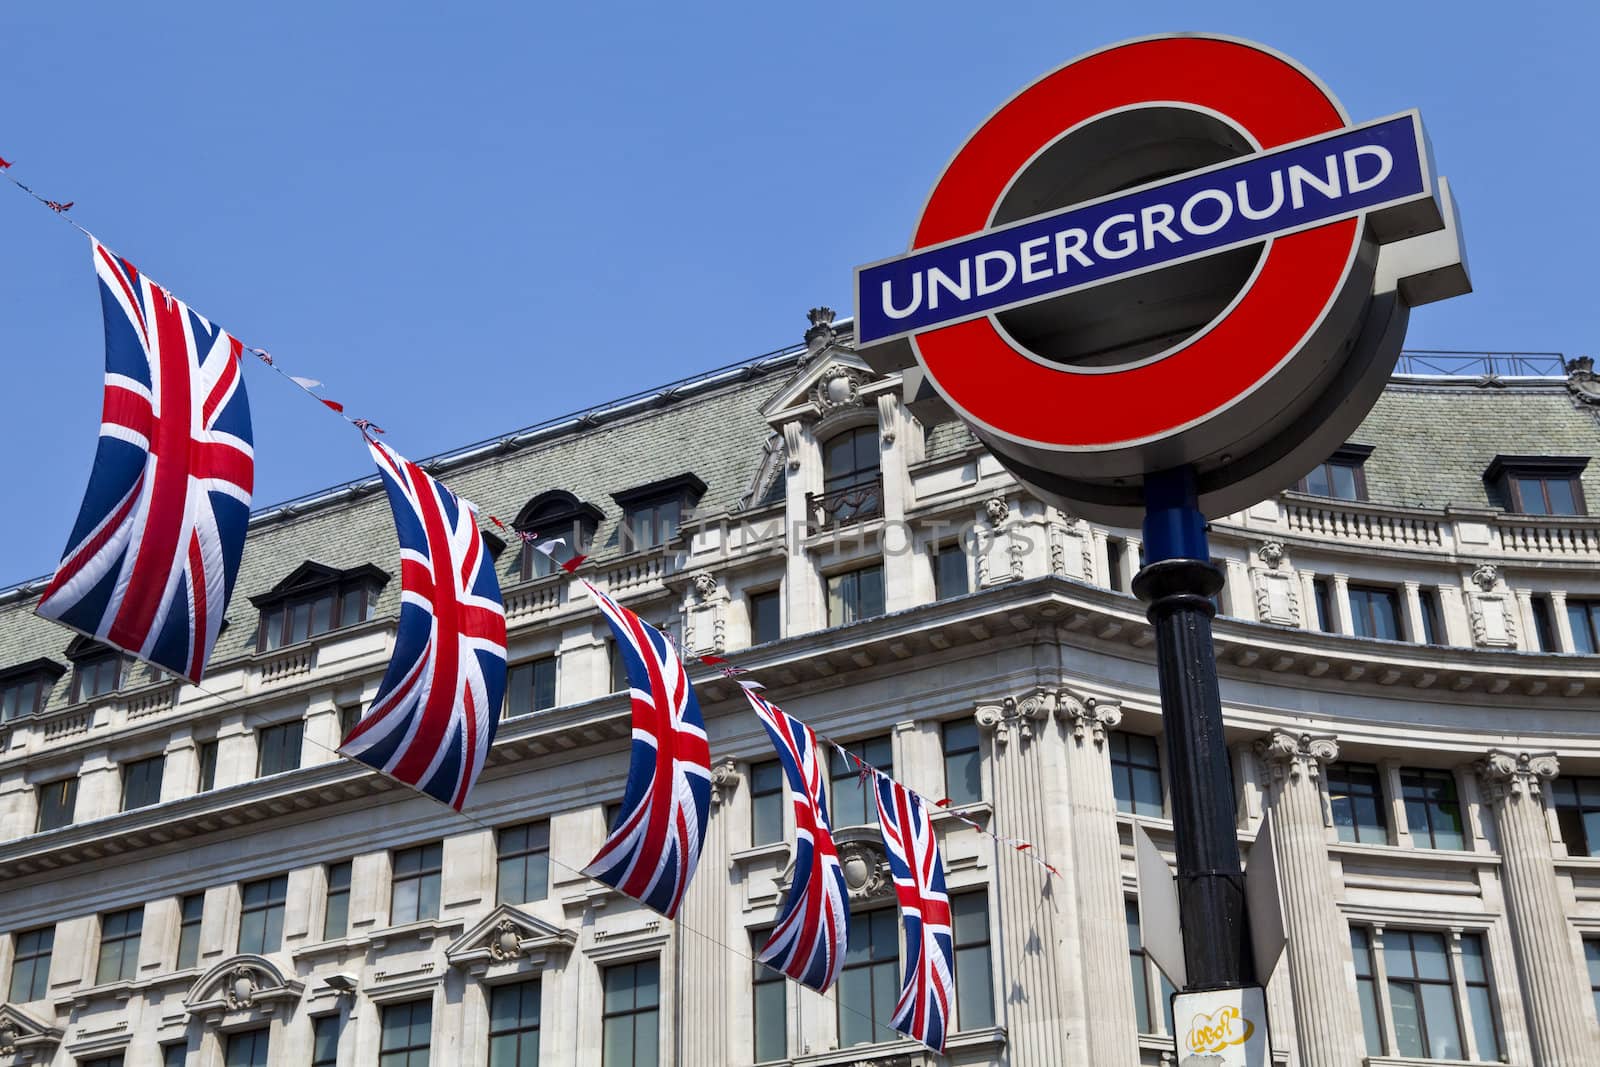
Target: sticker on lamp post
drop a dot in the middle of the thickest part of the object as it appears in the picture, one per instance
(1222, 1028)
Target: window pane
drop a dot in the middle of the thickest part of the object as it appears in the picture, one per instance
(1480, 1006)
(325, 1041)
(1439, 1014)
(771, 1038)
(519, 691)
(1343, 477)
(1317, 481)
(1583, 635)
(765, 623)
(1407, 1018)
(949, 572)
(544, 684)
(1531, 493)
(1562, 502)
(617, 1042)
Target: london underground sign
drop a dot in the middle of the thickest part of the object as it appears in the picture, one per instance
(1176, 251)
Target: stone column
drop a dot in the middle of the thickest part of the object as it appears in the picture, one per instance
(1327, 1026)
(1340, 595)
(707, 973)
(1042, 1008)
(1558, 608)
(1551, 980)
(1097, 862)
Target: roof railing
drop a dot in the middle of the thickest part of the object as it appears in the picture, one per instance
(1437, 362)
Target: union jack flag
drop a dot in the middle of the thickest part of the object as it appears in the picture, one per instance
(813, 928)
(923, 1010)
(433, 719)
(150, 564)
(651, 851)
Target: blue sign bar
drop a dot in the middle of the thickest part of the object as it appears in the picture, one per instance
(1260, 196)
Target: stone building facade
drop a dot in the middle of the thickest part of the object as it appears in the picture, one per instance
(191, 876)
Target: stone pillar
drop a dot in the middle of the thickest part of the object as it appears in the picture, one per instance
(1041, 1005)
(1327, 1026)
(1340, 595)
(707, 978)
(19, 812)
(180, 775)
(1558, 608)
(1097, 863)
(1413, 609)
(1551, 980)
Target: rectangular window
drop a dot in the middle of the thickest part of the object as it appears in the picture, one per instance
(190, 910)
(766, 617)
(1375, 612)
(30, 964)
(1367, 989)
(1342, 477)
(869, 983)
(336, 915)
(1584, 618)
(349, 715)
(969, 921)
(119, 946)
(1553, 493)
(95, 676)
(21, 697)
(1135, 773)
(514, 1025)
(619, 669)
(1591, 956)
(304, 617)
(963, 762)
(851, 801)
(141, 782)
(1355, 792)
(1577, 804)
(279, 748)
(57, 800)
(1433, 814)
(407, 1034)
(950, 572)
(629, 1027)
(1417, 966)
(1480, 999)
(1141, 967)
(261, 914)
(248, 1049)
(524, 873)
(530, 687)
(415, 892)
(114, 1060)
(1323, 593)
(1115, 551)
(208, 766)
(175, 1054)
(325, 1041)
(768, 1005)
(1432, 632)
(766, 802)
(855, 595)
(1544, 624)
(651, 525)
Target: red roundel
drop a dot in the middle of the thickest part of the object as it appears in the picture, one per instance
(1059, 407)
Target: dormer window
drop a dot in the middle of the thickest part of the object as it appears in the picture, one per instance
(852, 480)
(96, 669)
(1537, 485)
(1342, 476)
(651, 514)
(547, 517)
(25, 688)
(314, 600)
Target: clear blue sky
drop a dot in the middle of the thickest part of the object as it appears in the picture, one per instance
(466, 218)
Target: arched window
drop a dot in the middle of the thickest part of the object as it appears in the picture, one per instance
(554, 516)
(852, 483)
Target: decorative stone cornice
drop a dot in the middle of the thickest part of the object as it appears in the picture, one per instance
(1290, 755)
(1504, 775)
(725, 778)
(25, 1037)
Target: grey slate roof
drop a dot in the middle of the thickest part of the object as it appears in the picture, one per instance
(1432, 442)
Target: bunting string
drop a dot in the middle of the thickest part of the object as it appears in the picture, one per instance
(866, 774)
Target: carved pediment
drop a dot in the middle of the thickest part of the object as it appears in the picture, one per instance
(865, 865)
(509, 935)
(821, 386)
(244, 984)
(27, 1039)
